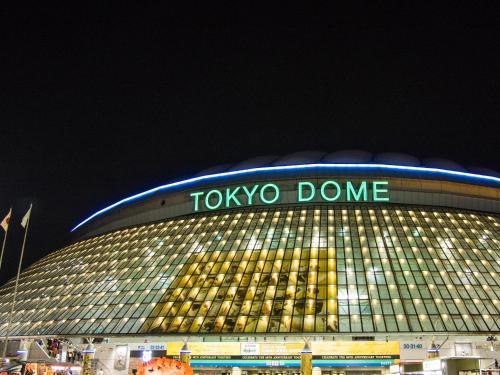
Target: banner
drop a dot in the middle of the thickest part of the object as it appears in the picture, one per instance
(343, 350)
(356, 349)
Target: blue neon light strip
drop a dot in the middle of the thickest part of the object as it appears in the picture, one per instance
(214, 176)
(289, 363)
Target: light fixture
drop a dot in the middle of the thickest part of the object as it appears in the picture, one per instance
(491, 339)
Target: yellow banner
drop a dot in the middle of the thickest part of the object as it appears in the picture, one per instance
(205, 348)
(354, 348)
(289, 348)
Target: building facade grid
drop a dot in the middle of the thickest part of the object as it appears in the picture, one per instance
(349, 268)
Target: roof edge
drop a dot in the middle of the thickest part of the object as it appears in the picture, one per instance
(368, 166)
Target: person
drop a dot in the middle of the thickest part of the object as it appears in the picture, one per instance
(100, 372)
(496, 363)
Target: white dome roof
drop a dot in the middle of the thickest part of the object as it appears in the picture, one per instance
(344, 157)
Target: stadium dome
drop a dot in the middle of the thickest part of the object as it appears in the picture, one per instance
(344, 244)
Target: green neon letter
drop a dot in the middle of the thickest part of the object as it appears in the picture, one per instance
(250, 193)
(324, 187)
(207, 199)
(301, 197)
(276, 193)
(196, 201)
(231, 195)
(357, 195)
(377, 190)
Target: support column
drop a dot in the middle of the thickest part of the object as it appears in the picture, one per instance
(433, 351)
(306, 359)
(88, 356)
(185, 354)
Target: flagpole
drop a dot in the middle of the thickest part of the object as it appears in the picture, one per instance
(15, 286)
(3, 246)
(4, 241)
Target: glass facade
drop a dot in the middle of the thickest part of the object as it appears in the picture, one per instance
(325, 269)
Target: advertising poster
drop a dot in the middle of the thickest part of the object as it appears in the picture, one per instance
(120, 362)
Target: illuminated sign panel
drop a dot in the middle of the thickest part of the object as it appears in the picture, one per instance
(332, 353)
(306, 191)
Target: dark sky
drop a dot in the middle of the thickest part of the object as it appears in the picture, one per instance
(103, 101)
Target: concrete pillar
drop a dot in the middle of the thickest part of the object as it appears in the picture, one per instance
(88, 356)
(236, 371)
(306, 360)
(433, 351)
(185, 354)
(316, 371)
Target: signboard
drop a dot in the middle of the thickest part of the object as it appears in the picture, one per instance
(322, 350)
(249, 348)
(306, 191)
(356, 350)
(289, 362)
(414, 350)
(463, 349)
(148, 346)
(433, 365)
(222, 349)
(288, 348)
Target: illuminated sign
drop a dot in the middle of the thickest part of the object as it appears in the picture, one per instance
(306, 191)
(299, 167)
(325, 354)
(344, 350)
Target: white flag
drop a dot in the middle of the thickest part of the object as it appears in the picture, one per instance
(6, 221)
(26, 217)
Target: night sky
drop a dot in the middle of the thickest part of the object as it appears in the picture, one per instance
(98, 103)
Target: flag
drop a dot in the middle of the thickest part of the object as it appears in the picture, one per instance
(6, 221)
(26, 218)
